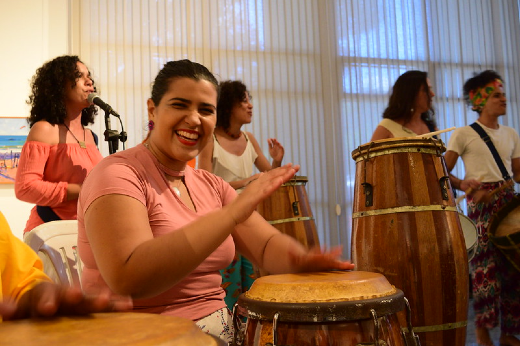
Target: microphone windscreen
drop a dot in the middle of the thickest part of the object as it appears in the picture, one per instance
(91, 97)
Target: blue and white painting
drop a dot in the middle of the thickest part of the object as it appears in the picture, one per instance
(13, 133)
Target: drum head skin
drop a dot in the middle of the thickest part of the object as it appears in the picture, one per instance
(320, 287)
(323, 296)
(510, 224)
(470, 231)
(106, 329)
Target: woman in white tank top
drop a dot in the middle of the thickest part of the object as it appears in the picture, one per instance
(231, 156)
(409, 112)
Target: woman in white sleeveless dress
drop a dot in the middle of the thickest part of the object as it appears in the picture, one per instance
(231, 155)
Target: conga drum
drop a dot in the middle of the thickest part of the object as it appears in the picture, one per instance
(325, 308)
(504, 231)
(106, 329)
(288, 210)
(405, 225)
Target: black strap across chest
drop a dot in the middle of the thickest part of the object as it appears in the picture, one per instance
(491, 146)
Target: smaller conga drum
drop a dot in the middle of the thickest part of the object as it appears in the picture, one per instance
(504, 231)
(325, 308)
(288, 210)
(127, 328)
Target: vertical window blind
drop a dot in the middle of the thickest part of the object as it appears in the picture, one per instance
(320, 71)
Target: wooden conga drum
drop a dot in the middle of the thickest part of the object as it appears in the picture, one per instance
(106, 329)
(288, 210)
(322, 309)
(504, 231)
(405, 226)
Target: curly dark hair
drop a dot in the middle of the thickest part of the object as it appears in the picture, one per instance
(179, 69)
(231, 93)
(47, 99)
(479, 80)
(405, 90)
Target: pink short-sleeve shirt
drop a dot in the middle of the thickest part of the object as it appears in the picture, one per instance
(137, 173)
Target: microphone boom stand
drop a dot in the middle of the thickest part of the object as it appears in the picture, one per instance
(112, 136)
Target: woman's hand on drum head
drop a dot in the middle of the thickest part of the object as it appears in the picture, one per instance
(259, 189)
(48, 299)
(317, 259)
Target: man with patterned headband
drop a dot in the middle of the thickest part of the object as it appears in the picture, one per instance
(495, 282)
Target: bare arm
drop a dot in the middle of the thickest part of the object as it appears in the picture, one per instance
(30, 185)
(381, 133)
(261, 161)
(133, 262)
(451, 158)
(516, 169)
(278, 253)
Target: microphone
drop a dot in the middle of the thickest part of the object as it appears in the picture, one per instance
(94, 98)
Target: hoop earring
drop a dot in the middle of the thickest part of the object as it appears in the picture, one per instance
(151, 125)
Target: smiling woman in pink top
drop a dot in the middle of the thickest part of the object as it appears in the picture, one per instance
(152, 227)
(59, 151)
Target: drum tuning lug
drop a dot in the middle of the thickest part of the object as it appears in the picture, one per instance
(368, 194)
(409, 336)
(275, 328)
(295, 209)
(444, 183)
(238, 336)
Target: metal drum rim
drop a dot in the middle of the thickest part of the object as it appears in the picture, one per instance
(333, 311)
(384, 147)
(296, 180)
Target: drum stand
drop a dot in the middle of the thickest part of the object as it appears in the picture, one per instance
(409, 337)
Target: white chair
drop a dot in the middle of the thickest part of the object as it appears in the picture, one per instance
(55, 243)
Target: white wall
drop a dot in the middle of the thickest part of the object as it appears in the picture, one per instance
(31, 32)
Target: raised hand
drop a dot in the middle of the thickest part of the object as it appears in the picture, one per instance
(276, 150)
(259, 189)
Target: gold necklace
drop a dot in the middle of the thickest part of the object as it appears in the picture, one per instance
(81, 144)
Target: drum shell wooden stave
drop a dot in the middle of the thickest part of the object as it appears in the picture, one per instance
(128, 328)
(412, 233)
(504, 231)
(323, 321)
(295, 220)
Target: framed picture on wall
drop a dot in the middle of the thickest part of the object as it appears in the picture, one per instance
(13, 133)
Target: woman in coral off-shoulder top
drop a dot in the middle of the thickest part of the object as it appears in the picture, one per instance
(59, 151)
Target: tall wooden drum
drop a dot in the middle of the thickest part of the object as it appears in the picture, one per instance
(126, 328)
(405, 226)
(288, 210)
(322, 309)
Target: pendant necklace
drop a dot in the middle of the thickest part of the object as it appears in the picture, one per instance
(168, 172)
(81, 144)
(176, 189)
